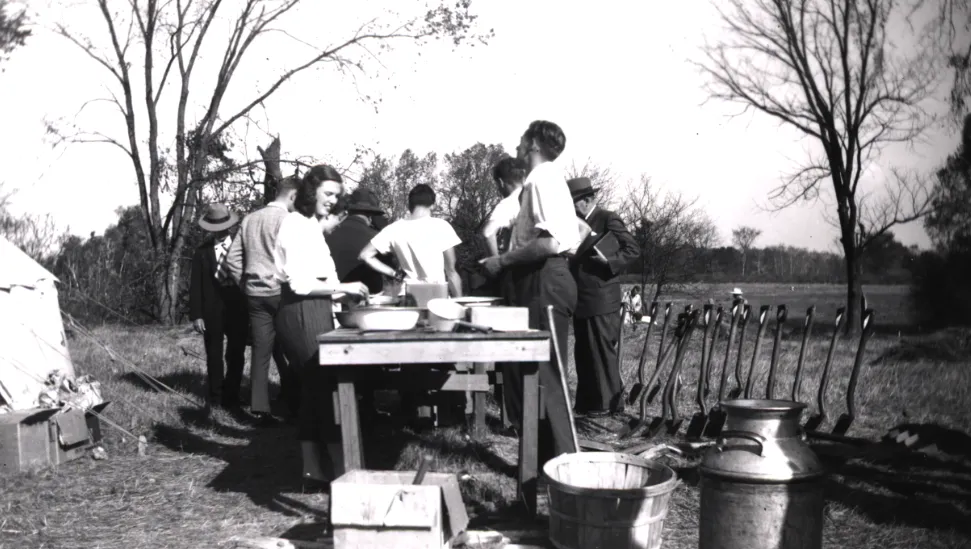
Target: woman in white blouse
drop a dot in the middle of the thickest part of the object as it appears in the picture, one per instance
(309, 286)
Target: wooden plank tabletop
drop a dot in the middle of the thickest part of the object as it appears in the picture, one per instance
(344, 335)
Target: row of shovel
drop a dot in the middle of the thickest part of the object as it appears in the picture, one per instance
(708, 422)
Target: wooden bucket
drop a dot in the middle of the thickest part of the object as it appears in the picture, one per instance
(607, 499)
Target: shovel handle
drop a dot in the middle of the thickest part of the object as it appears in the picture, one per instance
(422, 469)
(867, 321)
(551, 317)
(780, 319)
(807, 329)
(824, 382)
(728, 353)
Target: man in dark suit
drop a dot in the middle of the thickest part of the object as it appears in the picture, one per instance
(352, 235)
(597, 320)
(217, 308)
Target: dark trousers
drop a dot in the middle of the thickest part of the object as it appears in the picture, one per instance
(536, 287)
(262, 316)
(298, 323)
(599, 385)
(225, 378)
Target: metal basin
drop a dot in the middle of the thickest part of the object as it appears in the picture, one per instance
(379, 318)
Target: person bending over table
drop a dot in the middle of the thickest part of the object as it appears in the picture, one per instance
(543, 236)
(309, 284)
(424, 245)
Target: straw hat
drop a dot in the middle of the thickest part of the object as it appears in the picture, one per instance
(737, 291)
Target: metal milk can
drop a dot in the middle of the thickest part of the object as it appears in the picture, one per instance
(761, 484)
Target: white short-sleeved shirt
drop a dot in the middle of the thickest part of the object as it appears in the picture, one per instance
(506, 211)
(546, 205)
(301, 255)
(418, 244)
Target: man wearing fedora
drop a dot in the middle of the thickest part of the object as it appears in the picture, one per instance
(596, 321)
(250, 264)
(352, 235)
(217, 308)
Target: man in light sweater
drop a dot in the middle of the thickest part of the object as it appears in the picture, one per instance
(250, 264)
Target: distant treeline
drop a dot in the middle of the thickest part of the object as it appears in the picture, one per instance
(890, 263)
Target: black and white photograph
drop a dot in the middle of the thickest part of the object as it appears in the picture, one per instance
(485, 274)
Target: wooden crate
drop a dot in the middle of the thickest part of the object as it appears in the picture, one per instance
(42, 437)
(380, 509)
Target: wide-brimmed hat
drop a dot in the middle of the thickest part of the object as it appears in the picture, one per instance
(364, 201)
(581, 187)
(218, 218)
(737, 291)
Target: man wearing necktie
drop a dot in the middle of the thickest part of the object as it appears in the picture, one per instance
(217, 308)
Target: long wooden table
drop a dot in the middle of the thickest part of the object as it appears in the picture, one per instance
(343, 349)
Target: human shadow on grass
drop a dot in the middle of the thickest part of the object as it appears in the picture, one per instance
(925, 491)
(193, 385)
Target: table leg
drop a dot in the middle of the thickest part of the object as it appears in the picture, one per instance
(529, 439)
(479, 403)
(350, 422)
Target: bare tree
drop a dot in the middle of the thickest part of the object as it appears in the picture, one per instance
(829, 69)
(951, 36)
(601, 177)
(36, 235)
(672, 232)
(743, 238)
(157, 46)
(13, 29)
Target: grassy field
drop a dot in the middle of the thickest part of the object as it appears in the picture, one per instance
(204, 481)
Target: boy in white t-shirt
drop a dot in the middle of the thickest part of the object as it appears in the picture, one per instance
(424, 245)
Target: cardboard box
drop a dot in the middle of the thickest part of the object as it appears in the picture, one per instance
(43, 437)
(381, 509)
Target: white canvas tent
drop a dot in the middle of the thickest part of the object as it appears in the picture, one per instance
(32, 340)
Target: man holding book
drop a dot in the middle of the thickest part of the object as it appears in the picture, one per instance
(597, 323)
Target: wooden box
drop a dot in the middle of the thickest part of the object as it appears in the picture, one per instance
(500, 318)
(42, 437)
(382, 509)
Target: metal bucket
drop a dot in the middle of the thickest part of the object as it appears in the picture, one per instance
(761, 484)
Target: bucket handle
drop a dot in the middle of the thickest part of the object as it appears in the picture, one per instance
(754, 437)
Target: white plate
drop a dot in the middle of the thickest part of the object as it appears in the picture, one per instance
(474, 301)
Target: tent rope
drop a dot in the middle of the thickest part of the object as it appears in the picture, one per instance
(125, 362)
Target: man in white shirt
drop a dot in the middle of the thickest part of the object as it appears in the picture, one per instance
(543, 234)
(422, 244)
(508, 174)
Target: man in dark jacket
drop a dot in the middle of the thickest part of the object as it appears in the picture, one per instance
(217, 308)
(597, 322)
(351, 236)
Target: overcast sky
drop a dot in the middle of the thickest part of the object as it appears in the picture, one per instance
(617, 78)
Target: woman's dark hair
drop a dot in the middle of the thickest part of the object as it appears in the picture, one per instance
(509, 168)
(635, 290)
(421, 195)
(306, 200)
(548, 137)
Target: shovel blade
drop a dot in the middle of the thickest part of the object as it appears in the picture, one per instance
(735, 393)
(655, 427)
(636, 428)
(716, 421)
(696, 428)
(843, 424)
(814, 423)
(635, 393)
(675, 426)
(654, 391)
